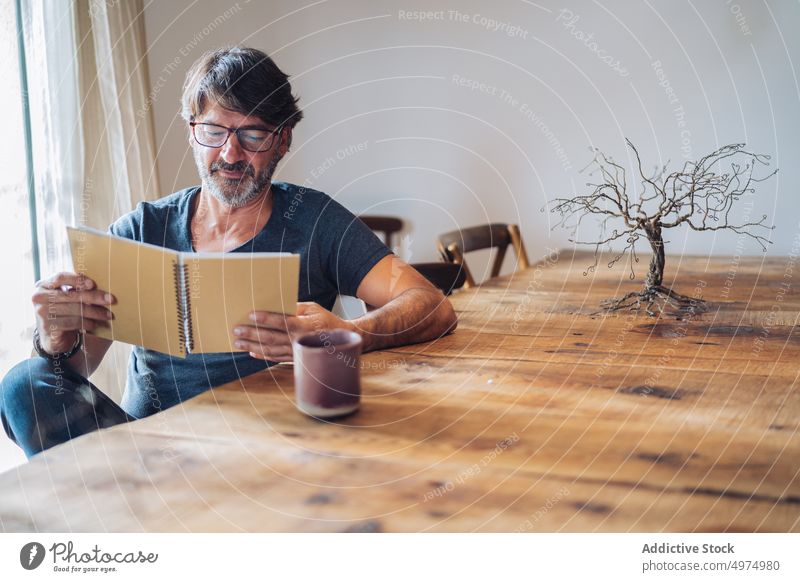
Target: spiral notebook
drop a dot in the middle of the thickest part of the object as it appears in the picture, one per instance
(182, 303)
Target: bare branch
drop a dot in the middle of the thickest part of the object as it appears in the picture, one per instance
(702, 194)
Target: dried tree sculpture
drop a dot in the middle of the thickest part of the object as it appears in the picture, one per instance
(701, 195)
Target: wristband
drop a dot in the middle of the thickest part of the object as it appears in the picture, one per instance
(37, 345)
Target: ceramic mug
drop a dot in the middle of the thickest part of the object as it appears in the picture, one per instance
(327, 373)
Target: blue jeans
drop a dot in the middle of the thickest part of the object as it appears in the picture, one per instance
(43, 404)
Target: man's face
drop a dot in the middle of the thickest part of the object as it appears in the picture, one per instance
(231, 174)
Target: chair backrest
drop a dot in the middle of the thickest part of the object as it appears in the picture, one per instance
(388, 225)
(453, 245)
(446, 277)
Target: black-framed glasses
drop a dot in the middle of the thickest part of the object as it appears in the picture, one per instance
(211, 135)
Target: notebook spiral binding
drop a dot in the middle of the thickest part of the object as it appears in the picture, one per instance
(181, 273)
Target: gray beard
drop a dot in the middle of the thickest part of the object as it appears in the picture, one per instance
(238, 192)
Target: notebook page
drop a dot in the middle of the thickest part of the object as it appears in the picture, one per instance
(223, 288)
(142, 278)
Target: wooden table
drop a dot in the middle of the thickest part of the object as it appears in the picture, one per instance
(536, 415)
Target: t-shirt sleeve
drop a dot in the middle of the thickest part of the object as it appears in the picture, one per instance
(127, 226)
(348, 247)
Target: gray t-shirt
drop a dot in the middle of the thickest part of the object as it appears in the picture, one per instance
(336, 252)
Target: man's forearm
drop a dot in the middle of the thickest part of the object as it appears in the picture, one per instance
(417, 315)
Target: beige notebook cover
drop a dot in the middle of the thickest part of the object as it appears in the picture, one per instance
(182, 303)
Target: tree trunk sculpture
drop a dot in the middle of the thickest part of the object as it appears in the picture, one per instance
(700, 195)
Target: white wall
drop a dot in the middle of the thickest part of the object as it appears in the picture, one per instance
(441, 155)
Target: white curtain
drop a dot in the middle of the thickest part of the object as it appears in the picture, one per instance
(57, 134)
(93, 143)
(119, 141)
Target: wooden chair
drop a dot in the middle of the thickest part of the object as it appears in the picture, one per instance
(447, 277)
(453, 245)
(388, 225)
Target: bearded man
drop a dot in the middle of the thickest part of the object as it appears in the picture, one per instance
(240, 114)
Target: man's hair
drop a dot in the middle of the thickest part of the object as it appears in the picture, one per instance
(244, 80)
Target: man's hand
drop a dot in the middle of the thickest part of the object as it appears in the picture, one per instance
(271, 334)
(407, 309)
(65, 304)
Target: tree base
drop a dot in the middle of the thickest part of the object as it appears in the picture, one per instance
(658, 297)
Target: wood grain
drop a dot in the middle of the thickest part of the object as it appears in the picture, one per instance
(538, 414)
